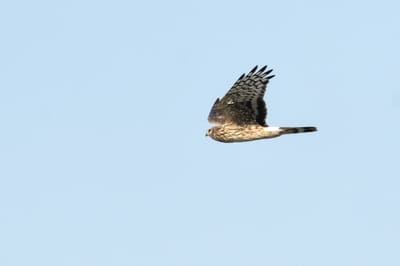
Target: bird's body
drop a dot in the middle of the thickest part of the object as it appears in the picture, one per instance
(234, 133)
(241, 113)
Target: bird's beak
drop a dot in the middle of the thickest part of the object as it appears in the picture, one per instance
(206, 134)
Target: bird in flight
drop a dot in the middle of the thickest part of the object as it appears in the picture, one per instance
(240, 115)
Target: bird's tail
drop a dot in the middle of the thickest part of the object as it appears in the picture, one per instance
(293, 130)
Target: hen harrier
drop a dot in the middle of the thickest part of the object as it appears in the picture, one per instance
(241, 113)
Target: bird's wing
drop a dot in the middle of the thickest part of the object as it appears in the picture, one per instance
(243, 103)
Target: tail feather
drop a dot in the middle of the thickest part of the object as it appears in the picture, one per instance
(293, 130)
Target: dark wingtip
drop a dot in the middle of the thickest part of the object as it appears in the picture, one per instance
(253, 70)
(269, 71)
(242, 76)
(263, 68)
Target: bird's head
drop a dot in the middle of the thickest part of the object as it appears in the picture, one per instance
(217, 133)
(210, 132)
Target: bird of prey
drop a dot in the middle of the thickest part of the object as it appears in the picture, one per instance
(240, 115)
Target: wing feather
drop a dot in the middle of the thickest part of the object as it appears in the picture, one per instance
(244, 103)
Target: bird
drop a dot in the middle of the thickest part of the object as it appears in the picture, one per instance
(241, 114)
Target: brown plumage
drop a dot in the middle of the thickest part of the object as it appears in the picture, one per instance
(241, 113)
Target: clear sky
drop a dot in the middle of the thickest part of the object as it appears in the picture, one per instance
(103, 112)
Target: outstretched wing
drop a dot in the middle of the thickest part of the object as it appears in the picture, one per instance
(243, 103)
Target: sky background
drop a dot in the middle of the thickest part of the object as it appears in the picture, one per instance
(103, 112)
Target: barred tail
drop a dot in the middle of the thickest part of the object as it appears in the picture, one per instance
(292, 130)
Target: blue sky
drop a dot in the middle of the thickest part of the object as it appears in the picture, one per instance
(103, 110)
